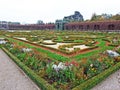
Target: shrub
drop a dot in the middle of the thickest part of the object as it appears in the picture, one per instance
(65, 75)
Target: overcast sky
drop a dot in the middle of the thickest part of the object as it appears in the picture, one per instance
(29, 11)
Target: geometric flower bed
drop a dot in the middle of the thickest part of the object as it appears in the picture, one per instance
(69, 73)
(69, 45)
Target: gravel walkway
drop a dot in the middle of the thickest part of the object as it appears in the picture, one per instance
(110, 83)
(12, 77)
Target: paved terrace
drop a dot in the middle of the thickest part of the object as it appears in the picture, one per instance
(12, 77)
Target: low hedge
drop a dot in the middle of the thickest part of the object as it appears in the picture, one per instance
(90, 83)
(44, 85)
(114, 45)
(45, 43)
(106, 40)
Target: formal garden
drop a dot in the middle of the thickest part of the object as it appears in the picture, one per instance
(64, 60)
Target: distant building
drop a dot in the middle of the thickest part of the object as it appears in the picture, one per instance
(74, 18)
(59, 24)
(77, 17)
(4, 25)
(14, 23)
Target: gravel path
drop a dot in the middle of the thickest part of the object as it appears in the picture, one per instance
(110, 83)
(12, 77)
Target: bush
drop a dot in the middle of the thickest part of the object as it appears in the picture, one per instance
(62, 76)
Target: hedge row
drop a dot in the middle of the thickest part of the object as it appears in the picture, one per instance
(104, 39)
(44, 85)
(114, 45)
(97, 79)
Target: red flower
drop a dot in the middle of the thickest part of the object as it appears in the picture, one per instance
(67, 64)
(74, 63)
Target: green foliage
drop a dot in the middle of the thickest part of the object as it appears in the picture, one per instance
(116, 17)
(40, 60)
(61, 76)
(94, 17)
(107, 62)
(21, 56)
(60, 39)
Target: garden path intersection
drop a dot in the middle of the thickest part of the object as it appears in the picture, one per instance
(12, 77)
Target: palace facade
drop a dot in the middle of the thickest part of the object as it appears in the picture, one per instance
(81, 26)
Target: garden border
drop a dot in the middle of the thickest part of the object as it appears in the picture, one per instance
(90, 83)
(44, 85)
(41, 83)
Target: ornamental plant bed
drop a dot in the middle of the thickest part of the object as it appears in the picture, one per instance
(62, 75)
(64, 53)
(57, 71)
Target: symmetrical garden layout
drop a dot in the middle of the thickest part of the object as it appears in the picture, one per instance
(64, 60)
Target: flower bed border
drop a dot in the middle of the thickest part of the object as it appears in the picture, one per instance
(90, 83)
(41, 83)
(44, 85)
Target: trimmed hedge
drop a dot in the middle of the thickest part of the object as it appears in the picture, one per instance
(114, 45)
(87, 85)
(45, 43)
(44, 85)
(104, 39)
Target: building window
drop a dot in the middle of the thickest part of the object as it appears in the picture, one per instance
(80, 26)
(111, 27)
(96, 27)
(88, 27)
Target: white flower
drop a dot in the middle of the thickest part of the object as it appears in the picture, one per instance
(91, 65)
(26, 49)
(112, 53)
(2, 42)
(55, 67)
(61, 66)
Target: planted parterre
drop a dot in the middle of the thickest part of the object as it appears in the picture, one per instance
(81, 70)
